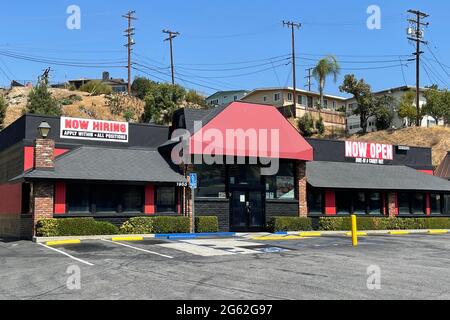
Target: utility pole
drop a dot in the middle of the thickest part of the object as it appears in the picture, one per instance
(129, 33)
(172, 35)
(308, 77)
(293, 25)
(415, 33)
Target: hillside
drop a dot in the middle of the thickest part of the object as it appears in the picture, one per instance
(438, 138)
(76, 104)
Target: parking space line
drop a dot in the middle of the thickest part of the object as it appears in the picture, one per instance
(66, 254)
(138, 249)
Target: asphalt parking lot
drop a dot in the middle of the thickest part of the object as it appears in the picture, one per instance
(411, 267)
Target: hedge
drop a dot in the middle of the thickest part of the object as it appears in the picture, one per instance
(206, 224)
(74, 227)
(137, 225)
(146, 225)
(289, 224)
(374, 223)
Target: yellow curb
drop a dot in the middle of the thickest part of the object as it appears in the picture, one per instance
(61, 242)
(310, 234)
(267, 238)
(359, 234)
(437, 231)
(401, 232)
(127, 239)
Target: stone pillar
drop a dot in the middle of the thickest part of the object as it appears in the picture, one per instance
(392, 204)
(301, 189)
(44, 151)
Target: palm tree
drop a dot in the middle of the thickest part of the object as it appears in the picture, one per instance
(325, 67)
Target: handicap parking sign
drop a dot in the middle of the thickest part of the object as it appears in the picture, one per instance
(193, 180)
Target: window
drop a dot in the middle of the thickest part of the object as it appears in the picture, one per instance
(165, 199)
(281, 185)
(235, 98)
(289, 96)
(374, 202)
(436, 203)
(403, 202)
(315, 201)
(277, 97)
(325, 103)
(411, 203)
(343, 202)
(417, 203)
(78, 198)
(211, 181)
(359, 203)
(334, 105)
(265, 99)
(99, 198)
(310, 102)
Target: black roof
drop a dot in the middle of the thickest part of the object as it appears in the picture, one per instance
(341, 175)
(109, 164)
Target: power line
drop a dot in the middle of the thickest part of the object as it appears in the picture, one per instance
(129, 32)
(436, 59)
(236, 68)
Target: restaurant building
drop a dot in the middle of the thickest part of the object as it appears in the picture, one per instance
(252, 164)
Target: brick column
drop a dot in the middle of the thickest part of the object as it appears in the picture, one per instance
(44, 151)
(43, 196)
(43, 192)
(392, 204)
(301, 189)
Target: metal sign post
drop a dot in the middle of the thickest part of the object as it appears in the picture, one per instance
(193, 185)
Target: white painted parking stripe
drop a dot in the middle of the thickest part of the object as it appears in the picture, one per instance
(66, 254)
(139, 249)
(195, 249)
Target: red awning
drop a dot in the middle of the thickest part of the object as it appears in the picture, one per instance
(250, 130)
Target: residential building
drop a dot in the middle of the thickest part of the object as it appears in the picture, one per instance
(282, 98)
(221, 98)
(118, 85)
(354, 123)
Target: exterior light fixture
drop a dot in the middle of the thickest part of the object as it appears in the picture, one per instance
(44, 129)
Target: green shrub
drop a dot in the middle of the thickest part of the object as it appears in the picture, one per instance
(96, 87)
(320, 126)
(137, 225)
(276, 224)
(438, 223)
(206, 224)
(171, 224)
(74, 227)
(376, 223)
(306, 125)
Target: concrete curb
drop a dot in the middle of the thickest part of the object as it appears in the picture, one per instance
(374, 232)
(81, 238)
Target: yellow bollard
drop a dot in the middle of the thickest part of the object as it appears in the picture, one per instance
(354, 231)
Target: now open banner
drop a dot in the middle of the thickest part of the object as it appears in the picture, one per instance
(92, 129)
(368, 152)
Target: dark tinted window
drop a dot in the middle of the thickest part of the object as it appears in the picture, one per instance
(315, 201)
(359, 203)
(436, 202)
(165, 199)
(417, 203)
(281, 185)
(78, 198)
(374, 202)
(343, 202)
(211, 181)
(403, 202)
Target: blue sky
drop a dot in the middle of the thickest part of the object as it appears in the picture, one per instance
(224, 44)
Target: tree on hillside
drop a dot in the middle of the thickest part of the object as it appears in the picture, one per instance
(3, 107)
(327, 66)
(407, 107)
(195, 100)
(363, 96)
(161, 102)
(96, 87)
(141, 86)
(437, 105)
(41, 101)
(382, 111)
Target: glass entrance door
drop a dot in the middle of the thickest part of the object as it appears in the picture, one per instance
(247, 210)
